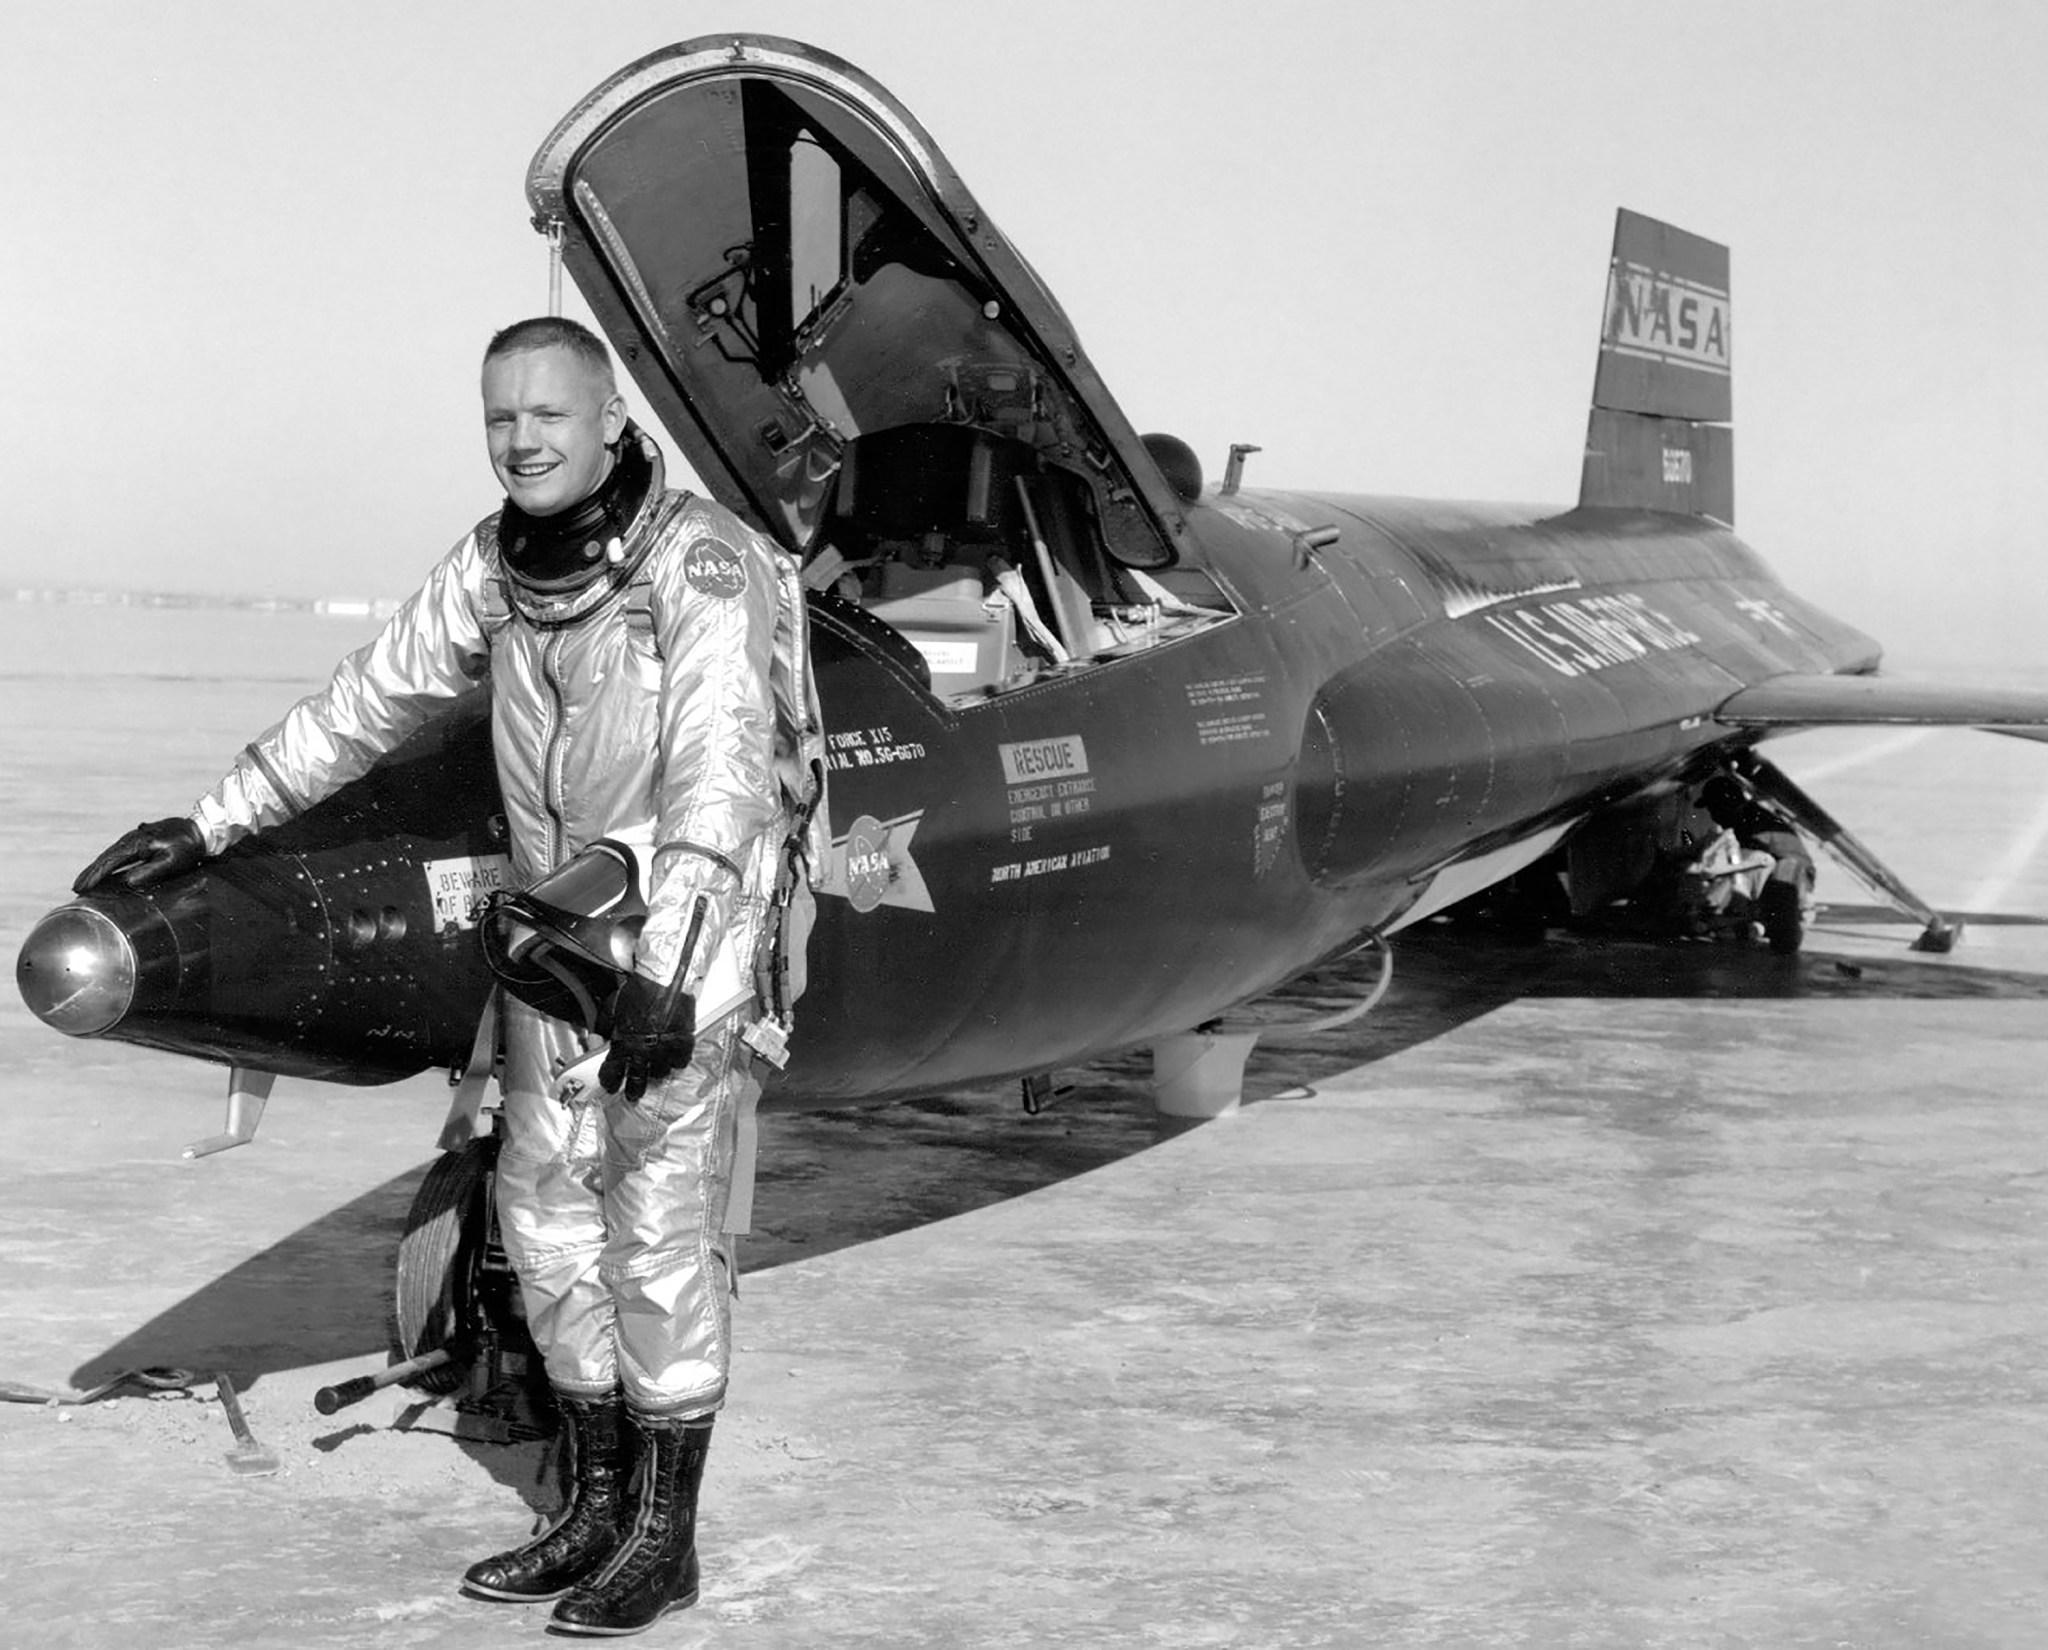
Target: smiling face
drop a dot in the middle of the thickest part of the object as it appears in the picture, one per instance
(550, 420)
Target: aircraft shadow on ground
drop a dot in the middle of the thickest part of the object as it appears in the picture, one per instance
(321, 1294)
(829, 1180)
(1448, 975)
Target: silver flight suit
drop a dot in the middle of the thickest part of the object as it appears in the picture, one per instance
(668, 706)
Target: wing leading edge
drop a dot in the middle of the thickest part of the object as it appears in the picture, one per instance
(1878, 701)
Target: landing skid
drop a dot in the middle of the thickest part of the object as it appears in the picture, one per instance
(248, 1093)
(1200, 1073)
(1938, 934)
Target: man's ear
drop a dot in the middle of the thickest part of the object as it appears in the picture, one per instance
(614, 419)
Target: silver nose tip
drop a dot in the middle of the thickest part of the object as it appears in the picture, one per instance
(76, 971)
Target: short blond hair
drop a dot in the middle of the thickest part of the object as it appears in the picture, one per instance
(554, 332)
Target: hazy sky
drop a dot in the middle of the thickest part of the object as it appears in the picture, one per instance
(256, 248)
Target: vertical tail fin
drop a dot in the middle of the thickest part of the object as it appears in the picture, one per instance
(1660, 436)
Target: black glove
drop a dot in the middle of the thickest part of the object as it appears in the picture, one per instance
(651, 1037)
(147, 855)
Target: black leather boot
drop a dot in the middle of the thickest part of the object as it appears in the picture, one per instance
(591, 1526)
(656, 1570)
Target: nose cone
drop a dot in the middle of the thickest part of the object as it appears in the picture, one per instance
(77, 971)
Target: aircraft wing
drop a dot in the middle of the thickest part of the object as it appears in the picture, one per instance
(1876, 701)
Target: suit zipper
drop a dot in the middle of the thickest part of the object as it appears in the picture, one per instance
(553, 747)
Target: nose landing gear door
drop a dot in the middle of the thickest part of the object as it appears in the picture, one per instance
(788, 265)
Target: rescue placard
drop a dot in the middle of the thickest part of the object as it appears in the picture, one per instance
(1043, 759)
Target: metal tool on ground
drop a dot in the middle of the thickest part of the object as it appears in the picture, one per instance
(330, 1400)
(156, 1381)
(248, 1457)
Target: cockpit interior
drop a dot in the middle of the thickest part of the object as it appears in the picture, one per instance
(894, 415)
(988, 562)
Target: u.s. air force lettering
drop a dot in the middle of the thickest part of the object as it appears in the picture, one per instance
(1591, 633)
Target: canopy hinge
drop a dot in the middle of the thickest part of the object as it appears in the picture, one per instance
(551, 227)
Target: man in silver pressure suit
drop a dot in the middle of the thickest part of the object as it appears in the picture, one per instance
(645, 657)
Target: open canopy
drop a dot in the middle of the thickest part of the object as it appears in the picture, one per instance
(788, 266)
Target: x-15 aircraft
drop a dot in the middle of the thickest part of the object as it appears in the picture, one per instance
(1114, 751)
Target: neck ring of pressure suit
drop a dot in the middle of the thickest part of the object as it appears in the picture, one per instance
(558, 555)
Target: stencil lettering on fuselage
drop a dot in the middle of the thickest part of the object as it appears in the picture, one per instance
(1262, 517)
(1271, 829)
(874, 747)
(1234, 721)
(1592, 633)
(1048, 779)
(1034, 759)
(1049, 864)
(1765, 613)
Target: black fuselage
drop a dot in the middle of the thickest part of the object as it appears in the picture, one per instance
(1101, 857)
